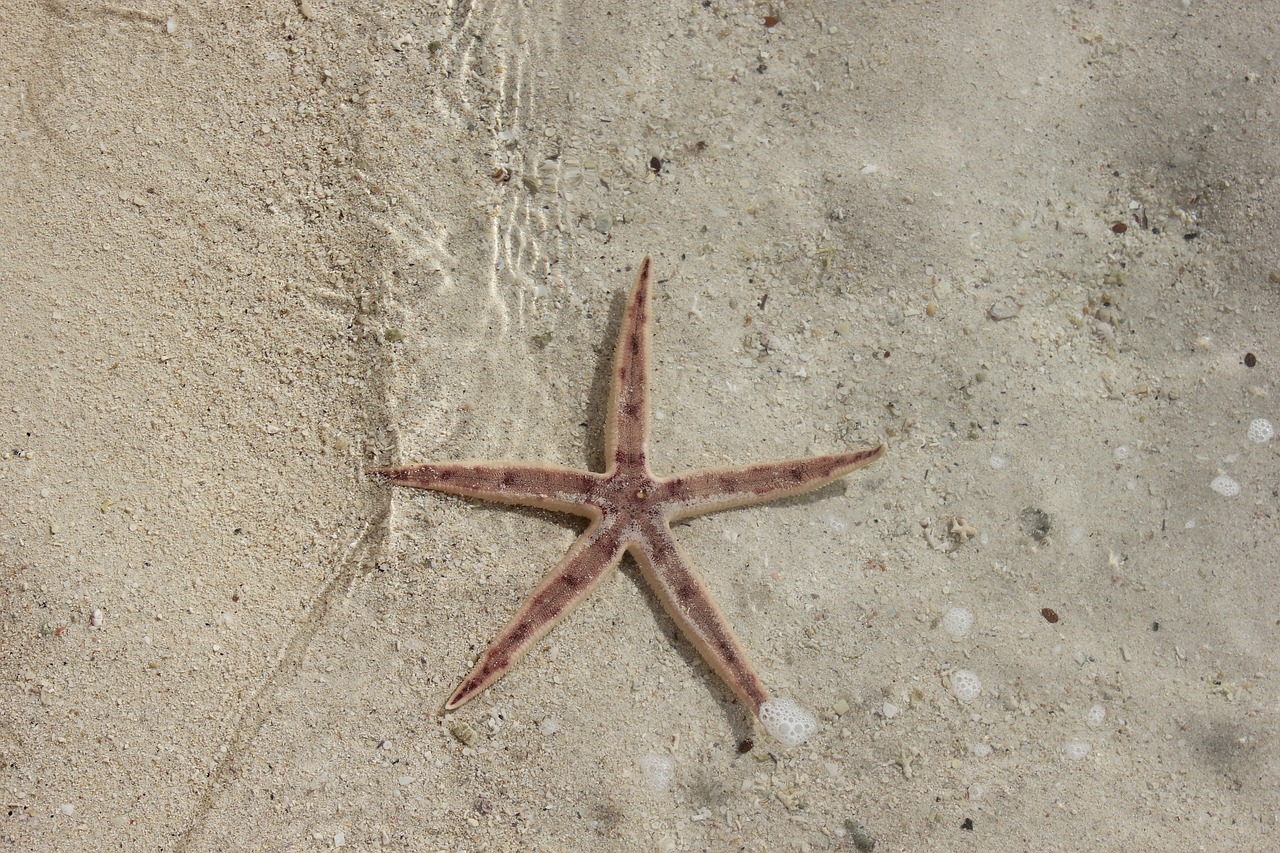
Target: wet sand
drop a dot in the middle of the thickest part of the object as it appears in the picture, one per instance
(249, 254)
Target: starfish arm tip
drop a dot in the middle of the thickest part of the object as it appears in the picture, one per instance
(464, 693)
(862, 458)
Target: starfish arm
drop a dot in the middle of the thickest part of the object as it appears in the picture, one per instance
(714, 489)
(564, 587)
(546, 486)
(628, 418)
(685, 597)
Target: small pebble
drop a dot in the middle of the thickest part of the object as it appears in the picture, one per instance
(1005, 309)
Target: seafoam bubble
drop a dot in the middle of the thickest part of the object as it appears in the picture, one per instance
(1261, 431)
(1225, 486)
(1077, 750)
(966, 685)
(958, 622)
(659, 770)
(788, 722)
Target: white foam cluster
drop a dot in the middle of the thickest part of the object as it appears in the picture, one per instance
(1261, 431)
(1077, 750)
(788, 722)
(659, 770)
(966, 685)
(1097, 716)
(1225, 486)
(958, 622)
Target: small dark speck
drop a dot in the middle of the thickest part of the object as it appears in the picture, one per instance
(745, 745)
(1250, 360)
(967, 824)
(1190, 235)
(655, 164)
(1155, 626)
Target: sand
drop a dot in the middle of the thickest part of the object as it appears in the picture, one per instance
(250, 251)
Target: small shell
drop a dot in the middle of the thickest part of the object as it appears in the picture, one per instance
(463, 732)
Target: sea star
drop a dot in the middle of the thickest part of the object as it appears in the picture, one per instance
(630, 510)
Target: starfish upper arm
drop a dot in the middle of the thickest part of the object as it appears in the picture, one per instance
(714, 489)
(546, 486)
(627, 423)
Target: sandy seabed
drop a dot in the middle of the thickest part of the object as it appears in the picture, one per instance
(250, 251)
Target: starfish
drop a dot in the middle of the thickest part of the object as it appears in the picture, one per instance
(630, 510)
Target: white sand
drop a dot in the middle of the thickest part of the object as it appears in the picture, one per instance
(248, 253)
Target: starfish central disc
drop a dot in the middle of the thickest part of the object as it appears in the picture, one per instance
(628, 490)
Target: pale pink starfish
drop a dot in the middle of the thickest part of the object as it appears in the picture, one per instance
(630, 510)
